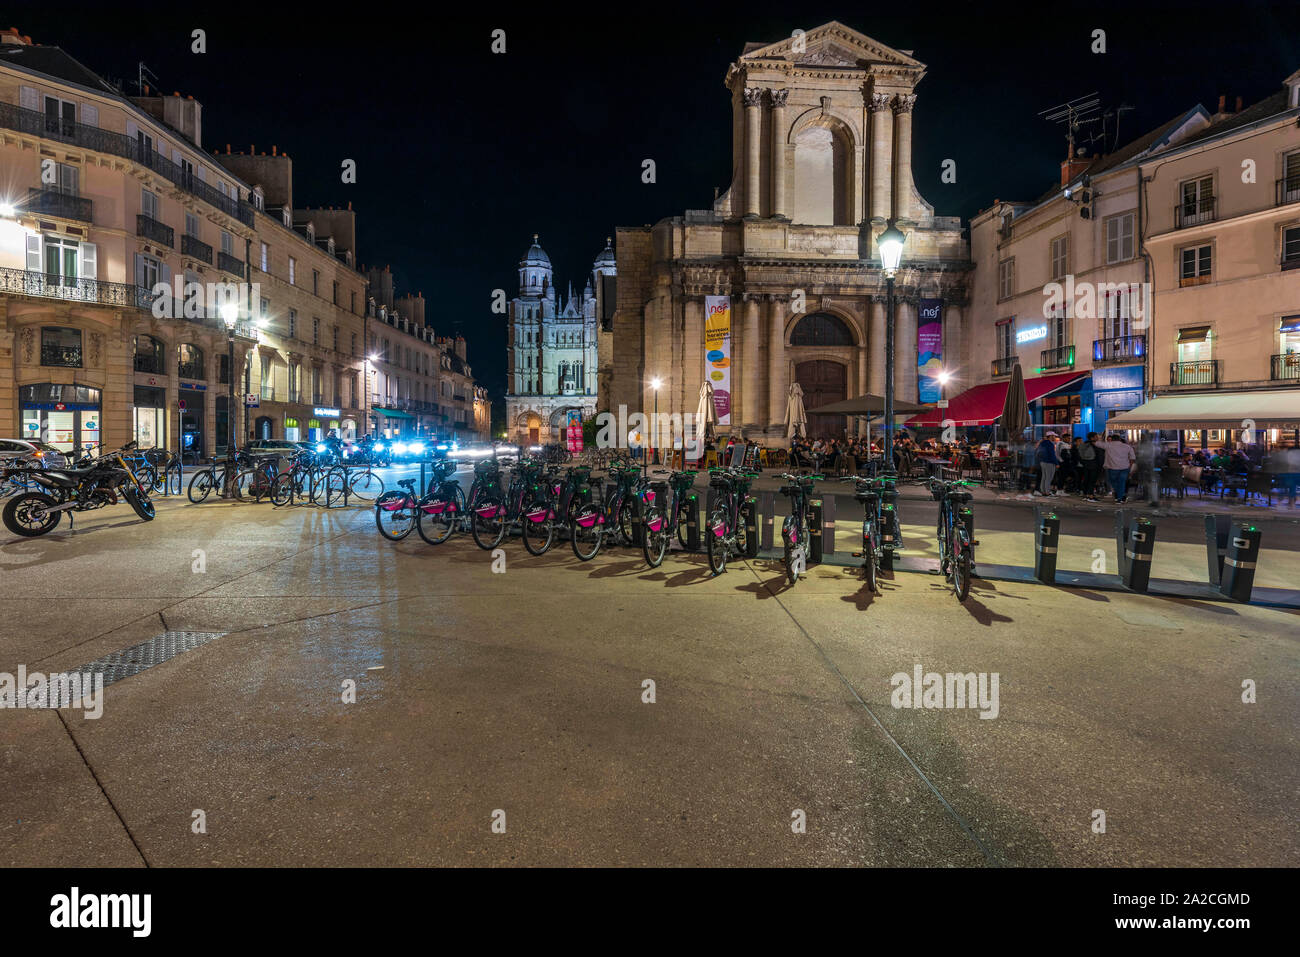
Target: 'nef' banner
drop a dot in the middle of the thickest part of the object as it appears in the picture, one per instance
(717, 353)
(573, 430)
(929, 348)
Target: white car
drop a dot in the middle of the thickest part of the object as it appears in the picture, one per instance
(14, 452)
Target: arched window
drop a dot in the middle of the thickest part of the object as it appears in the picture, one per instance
(149, 354)
(822, 176)
(189, 363)
(821, 329)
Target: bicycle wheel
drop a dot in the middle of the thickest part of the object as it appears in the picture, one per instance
(436, 518)
(538, 533)
(586, 533)
(395, 515)
(624, 519)
(336, 483)
(683, 516)
(200, 487)
(282, 489)
(365, 485)
(716, 533)
(654, 540)
(245, 486)
(790, 537)
(961, 565)
(487, 523)
(147, 476)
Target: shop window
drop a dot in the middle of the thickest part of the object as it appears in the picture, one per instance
(149, 355)
(291, 431)
(190, 362)
(61, 346)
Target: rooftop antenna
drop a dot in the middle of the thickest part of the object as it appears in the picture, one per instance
(1119, 112)
(142, 72)
(1070, 113)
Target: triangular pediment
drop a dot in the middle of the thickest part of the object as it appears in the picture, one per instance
(830, 45)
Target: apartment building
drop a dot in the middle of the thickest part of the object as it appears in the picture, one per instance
(113, 222)
(305, 376)
(1061, 288)
(1222, 231)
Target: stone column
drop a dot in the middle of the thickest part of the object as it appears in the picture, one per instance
(693, 352)
(751, 375)
(779, 98)
(776, 362)
(753, 156)
(859, 424)
(882, 148)
(876, 345)
(905, 349)
(903, 104)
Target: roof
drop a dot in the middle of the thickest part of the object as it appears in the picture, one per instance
(54, 62)
(1269, 106)
(982, 404)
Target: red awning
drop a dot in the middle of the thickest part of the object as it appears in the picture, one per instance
(983, 404)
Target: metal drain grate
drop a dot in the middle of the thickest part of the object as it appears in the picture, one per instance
(141, 657)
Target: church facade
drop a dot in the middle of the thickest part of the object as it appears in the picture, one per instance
(553, 349)
(822, 142)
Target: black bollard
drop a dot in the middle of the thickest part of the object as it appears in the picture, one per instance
(692, 521)
(1216, 546)
(749, 526)
(1137, 542)
(815, 531)
(1047, 535)
(1239, 563)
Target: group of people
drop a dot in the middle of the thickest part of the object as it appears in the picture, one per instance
(1079, 465)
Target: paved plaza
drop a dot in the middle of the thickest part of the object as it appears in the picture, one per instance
(521, 697)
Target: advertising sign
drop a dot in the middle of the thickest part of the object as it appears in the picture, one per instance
(929, 348)
(573, 430)
(717, 353)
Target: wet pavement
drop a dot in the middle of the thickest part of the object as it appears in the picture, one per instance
(520, 696)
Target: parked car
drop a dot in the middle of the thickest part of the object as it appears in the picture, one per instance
(14, 452)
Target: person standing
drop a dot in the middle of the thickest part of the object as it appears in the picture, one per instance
(1048, 460)
(1090, 458)
(1119, 461)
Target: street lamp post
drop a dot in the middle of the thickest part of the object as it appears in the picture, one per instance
(890, 244)
(230, 315)
(654, 424)
(365, 393)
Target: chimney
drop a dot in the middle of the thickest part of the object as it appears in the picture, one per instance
(1224, 110)
(1073, 167)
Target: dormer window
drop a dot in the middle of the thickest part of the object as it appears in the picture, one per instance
(287, 216)
(258, 200)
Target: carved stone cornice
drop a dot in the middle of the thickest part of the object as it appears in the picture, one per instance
(904, 102)
(779, 98)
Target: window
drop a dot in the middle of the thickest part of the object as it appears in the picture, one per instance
(1194, 265)
(354, 343)
(265, 307)
(62, 261)
(293, 269)
(1058, 330)
(315, 283)
(227, 243)
(149, 204)
(1119, 238)
(1290, 178)
(1197, 201)
(191, 225)
(294, 395)
(1006, 278)
(149, 355)
(1006, 339)
(266, 255)
(60, 116)
(1291, 247)
(293, 324)
(61, 346)
(268, 387)
(335, 333)
(1117, 315)
(315, 331)
(68, 181)
(189, 364)
(336, 294)
(354, 302)
(1060, 256)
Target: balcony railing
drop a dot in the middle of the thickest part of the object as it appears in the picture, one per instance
(1059, 358)
(1004, 365)
(1286, 366)
(1200, 372)
(1195, 211)
(1288, 190)
(66, 356)
(1118, 349)
(150, 228)
(193, 247)
(36, 123)
(229, 263)
(149, 362)
(51, 202)
(191, 370)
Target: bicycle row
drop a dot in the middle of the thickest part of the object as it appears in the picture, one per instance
(544, 502)
(282, 480)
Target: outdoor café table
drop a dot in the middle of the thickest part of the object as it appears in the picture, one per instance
(937, 465)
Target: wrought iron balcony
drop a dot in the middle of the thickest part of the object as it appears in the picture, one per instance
(25, 282)
(1059, 358)
(54, 355)
(191, 370)
(150, 228)
(229, 263)
(1004, 365)
(1286, 366)
(1200, 372)
(149, 362)
(1118, 349)
(36, 123)
(1288, 190)
(1195, 211)
(51, 202)
(193, 247)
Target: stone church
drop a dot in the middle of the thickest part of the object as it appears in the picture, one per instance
(553, 349)
(822, 161)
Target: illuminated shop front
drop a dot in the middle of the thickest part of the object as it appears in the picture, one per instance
(65, 416)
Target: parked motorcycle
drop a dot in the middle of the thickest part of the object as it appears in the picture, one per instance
(89, 484)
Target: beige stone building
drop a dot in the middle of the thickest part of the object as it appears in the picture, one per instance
(1222, 230)
(1061, 287)
(822, 134)
(103, 198)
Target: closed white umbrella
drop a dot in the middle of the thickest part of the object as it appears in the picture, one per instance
(706, 417)
(796, 419)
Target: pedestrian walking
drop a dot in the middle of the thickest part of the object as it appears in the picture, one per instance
(1118, 462)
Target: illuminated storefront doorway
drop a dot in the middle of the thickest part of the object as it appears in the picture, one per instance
(65, 416)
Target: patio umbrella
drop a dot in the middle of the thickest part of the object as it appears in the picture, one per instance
(1015, 408)
(796, 419)
(868, 404)
(706, 417)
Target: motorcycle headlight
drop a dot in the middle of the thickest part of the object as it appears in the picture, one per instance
(320, 448)
(379, 448)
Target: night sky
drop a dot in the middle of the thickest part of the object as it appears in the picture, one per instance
(463, 154)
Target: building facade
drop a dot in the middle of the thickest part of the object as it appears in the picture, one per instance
(1061, 288)
(1223, 236)
(554, 349)
(821, 134)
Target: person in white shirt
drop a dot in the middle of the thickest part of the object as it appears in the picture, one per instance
(1119, 462)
